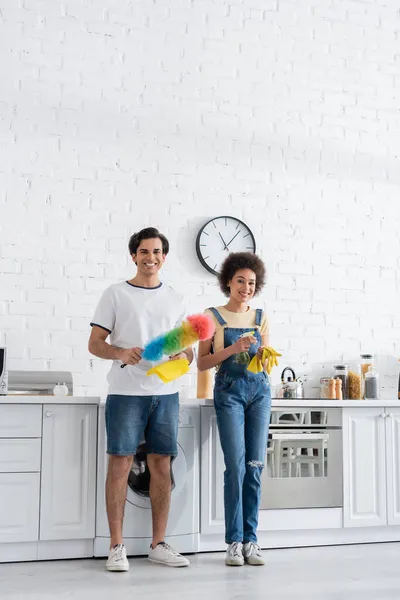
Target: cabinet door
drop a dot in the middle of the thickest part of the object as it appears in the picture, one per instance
(67, 507)
(19, 507)
(364, 472)
(212, 475)
(393, 465)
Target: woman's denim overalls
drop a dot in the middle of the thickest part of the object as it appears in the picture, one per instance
(242, 404)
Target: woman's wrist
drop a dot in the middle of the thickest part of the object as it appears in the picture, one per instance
(231, 349)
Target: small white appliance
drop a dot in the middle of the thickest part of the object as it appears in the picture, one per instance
(183, 522)
(3, 372)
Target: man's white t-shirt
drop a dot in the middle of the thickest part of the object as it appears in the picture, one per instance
(133, 316)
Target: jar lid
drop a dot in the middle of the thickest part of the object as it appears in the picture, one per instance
(340, 367)
(367, 355)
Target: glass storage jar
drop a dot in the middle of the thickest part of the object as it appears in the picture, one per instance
(355, 383)
(371, 384)
(327, 391)
(367, 361)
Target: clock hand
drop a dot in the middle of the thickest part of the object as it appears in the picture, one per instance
(223, 241)
(232, 239)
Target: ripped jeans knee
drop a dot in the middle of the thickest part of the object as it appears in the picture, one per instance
(255, 464)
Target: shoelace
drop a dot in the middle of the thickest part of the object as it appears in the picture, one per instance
(235, 549)
(253, 549)
(169, 549)
(118, 552)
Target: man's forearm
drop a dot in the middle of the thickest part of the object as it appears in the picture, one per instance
(101, 349)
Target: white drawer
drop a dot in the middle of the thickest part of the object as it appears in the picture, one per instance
(19, 507)
(20, 455)
(20, 420)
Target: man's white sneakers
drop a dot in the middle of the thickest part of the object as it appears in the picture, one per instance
(117, 560)
(163, 554)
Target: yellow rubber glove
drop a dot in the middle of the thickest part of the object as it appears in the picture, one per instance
(269, 356)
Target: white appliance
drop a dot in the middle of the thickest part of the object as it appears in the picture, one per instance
(183, 522)
(304, 460)
(3, 372)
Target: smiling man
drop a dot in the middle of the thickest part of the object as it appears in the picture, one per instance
(138, 406)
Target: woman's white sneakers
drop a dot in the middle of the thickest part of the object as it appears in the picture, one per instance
(117, 560)
(234, 555)
(237, 554)
(252, 554)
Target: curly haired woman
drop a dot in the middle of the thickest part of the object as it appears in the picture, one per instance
(242, 401)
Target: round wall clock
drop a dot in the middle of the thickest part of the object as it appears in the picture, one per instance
(219, 237)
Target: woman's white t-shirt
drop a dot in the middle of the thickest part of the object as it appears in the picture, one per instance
(133, 316)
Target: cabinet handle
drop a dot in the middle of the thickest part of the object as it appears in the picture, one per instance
(383, 415)
(48, 413)
(390, 415)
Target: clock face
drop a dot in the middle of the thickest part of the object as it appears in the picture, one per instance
(219, 237)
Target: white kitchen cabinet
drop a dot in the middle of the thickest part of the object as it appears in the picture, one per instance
(67, 507)
(371, 470)
(212, 475)
(19, 507)
(392, 423)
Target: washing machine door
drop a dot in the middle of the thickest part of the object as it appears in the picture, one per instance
(139, 477)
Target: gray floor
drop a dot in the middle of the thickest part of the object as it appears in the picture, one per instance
(338, 573)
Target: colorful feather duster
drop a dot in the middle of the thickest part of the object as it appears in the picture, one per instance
(195, 328)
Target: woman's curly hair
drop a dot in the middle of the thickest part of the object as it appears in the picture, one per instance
(237, 261)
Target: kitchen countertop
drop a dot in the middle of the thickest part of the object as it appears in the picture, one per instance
(276, 402)
(25, 399)
(317, 402)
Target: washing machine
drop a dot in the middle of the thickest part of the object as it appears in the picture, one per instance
(183, 523)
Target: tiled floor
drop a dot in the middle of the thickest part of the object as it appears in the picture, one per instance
(369, 572)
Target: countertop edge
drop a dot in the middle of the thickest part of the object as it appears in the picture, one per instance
(316, 402)
(21, 399)
(276, 402)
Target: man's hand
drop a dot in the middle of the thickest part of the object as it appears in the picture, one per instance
(130, 356)
(178, 356)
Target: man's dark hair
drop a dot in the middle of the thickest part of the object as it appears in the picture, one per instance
(237, 261)
(147, 234)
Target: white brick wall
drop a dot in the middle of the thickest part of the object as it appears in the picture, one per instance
(119, 115)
